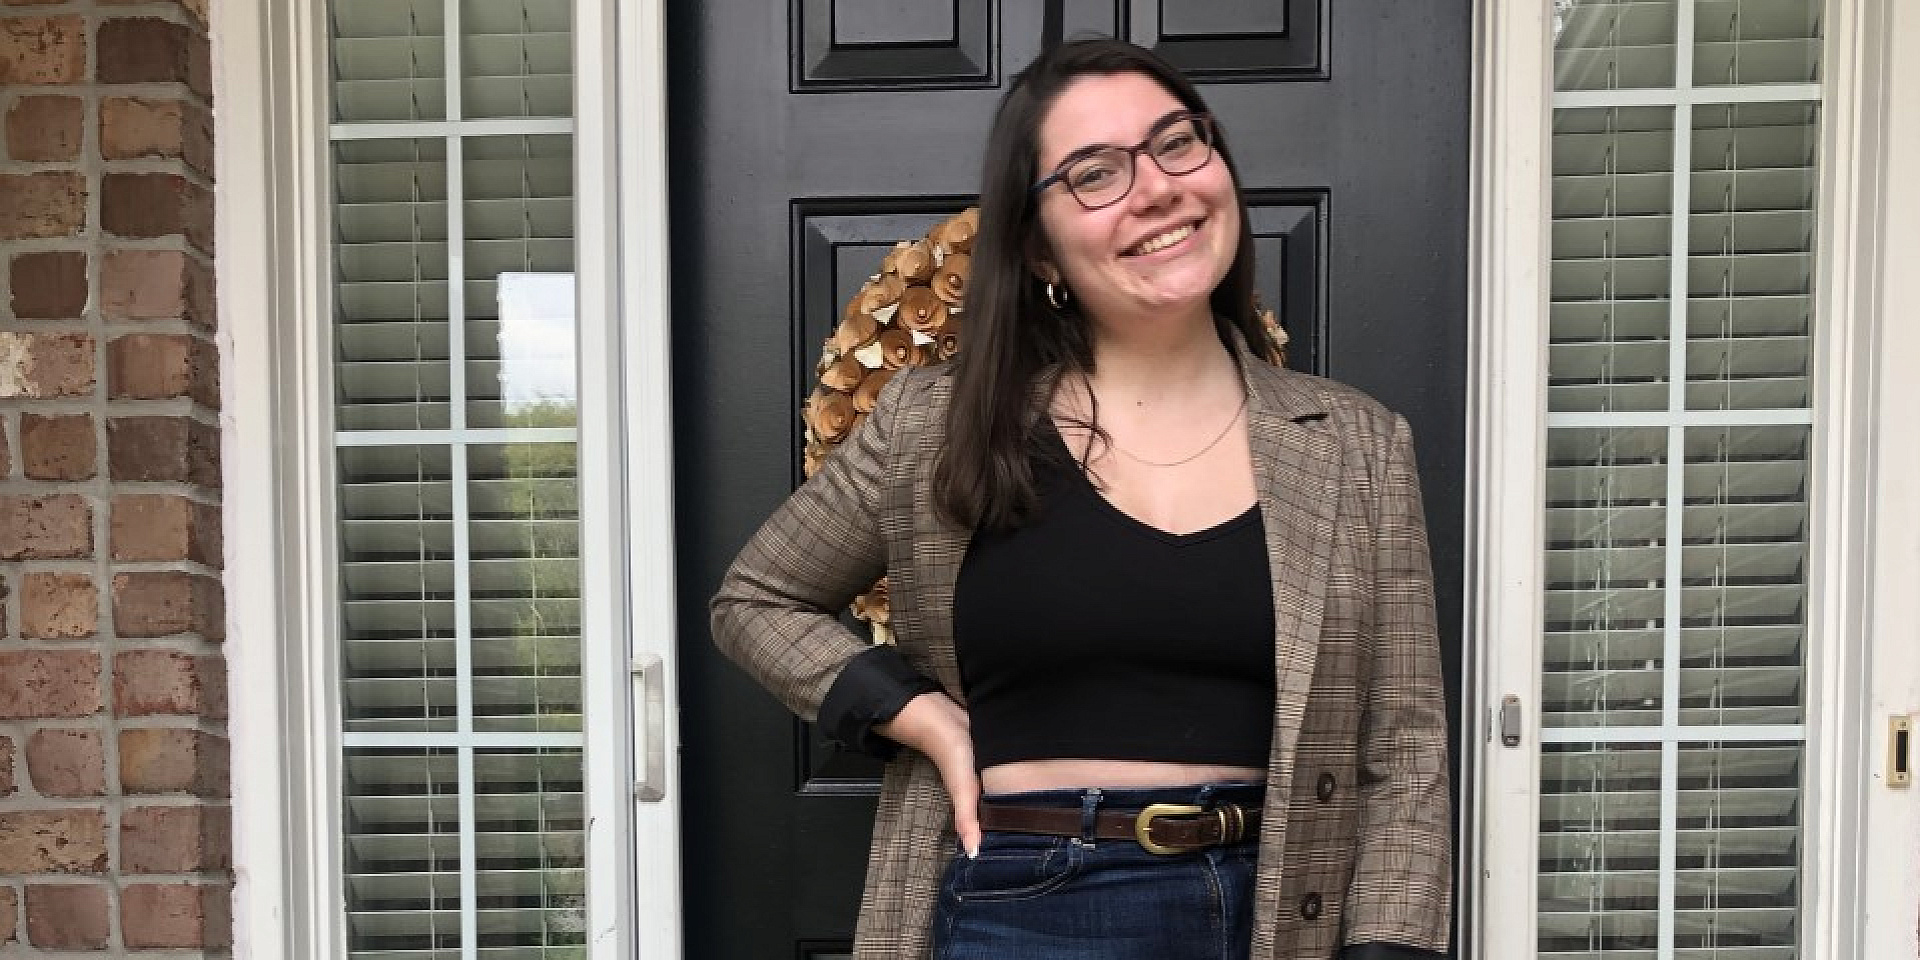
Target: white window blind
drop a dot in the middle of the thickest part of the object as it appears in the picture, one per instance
(1685, 138)
(458, 507)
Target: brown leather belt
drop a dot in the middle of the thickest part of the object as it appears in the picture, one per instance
(1160, 828)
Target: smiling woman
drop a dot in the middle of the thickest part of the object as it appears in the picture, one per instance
(1135, 239)
(1230, 558)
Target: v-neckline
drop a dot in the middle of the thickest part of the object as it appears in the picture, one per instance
(1107, 507)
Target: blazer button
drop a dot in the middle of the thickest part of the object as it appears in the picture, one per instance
(1326, 787)
(1310, 906)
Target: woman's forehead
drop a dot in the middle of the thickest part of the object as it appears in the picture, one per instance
(1115, 109)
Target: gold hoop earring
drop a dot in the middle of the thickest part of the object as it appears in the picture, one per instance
(1058, 297)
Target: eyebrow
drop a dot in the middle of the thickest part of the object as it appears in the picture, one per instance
(1092, 148)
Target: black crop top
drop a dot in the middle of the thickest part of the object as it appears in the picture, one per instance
(1088, 634)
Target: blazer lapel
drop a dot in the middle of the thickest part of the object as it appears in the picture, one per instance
(1297, 466)
(937, 549)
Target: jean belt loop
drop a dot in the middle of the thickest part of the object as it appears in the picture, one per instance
(1089, 812)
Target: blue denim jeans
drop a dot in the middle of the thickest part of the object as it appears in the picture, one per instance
(1029, 897)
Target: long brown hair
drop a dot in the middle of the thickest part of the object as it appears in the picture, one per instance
(984, 479)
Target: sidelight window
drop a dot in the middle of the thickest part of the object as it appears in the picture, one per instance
(452, 336)
(1675, 642)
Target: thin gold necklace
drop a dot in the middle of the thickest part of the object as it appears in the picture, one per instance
(1189, 458)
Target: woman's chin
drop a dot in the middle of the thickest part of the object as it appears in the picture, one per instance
(1178, 284)
(1178, 298)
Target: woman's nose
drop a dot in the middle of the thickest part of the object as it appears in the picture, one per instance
(1152, 186)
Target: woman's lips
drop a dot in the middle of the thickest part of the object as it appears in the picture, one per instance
(1192, 229)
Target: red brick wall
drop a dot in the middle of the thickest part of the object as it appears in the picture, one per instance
(114, 823)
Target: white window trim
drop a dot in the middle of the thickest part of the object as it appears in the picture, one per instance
(1888, 596)
(1861, 582)
(1506, 440)
(630, 468)
(278, 470)
(1845, 432)
(275, 480)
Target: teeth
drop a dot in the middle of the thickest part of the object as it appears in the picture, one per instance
(1164, 240)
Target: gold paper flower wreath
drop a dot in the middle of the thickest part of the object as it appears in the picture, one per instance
(907, 315)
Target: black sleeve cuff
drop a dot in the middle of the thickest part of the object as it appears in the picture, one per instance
(1387, 951)
(871, 689)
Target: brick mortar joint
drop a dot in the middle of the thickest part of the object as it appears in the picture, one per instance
(170, 722)
(26, 727)
(192, 645)
(161, 166)
(190, 567)
(51, 407)
(172, 407)
(168, 243)
(168, 326)
(18, 804)
(158, 89)
(204, 496)
(70, 244)
(46, 328)
(27, 168)
(170, 802)
(103, 488)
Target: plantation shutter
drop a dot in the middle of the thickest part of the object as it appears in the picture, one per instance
(453, 339)
(1685, 135)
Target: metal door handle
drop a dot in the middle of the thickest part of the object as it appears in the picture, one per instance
(650, 739)
(1899, 750)
(1510, 721)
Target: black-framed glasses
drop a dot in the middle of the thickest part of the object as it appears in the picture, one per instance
(1102, 175)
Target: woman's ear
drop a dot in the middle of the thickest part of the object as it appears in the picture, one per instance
(1039, 261)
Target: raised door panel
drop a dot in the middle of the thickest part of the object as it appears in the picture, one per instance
(1247, 40)
(892, 44)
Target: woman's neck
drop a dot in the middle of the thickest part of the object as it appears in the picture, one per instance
(1147, 362)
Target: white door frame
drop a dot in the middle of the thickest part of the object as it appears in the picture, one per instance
(1886, 872)
(626, 463)
(1506, 443)
(1863, 602)
(278, 572)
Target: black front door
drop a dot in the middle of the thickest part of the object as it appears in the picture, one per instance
(809, 135)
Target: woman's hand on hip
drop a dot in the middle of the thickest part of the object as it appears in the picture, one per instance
(936, 726)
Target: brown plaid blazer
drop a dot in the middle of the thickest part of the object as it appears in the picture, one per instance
(1354, 844)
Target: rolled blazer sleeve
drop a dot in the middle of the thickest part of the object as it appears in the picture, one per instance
(1402, 886)
(776, 613)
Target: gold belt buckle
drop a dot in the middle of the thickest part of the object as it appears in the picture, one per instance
(1232, 819)
(1143, 823)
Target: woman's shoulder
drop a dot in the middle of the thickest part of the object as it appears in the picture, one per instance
(1301, 395)
(916, 388)
(913, 401)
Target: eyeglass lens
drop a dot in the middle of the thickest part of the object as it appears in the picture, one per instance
(1106, 175)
